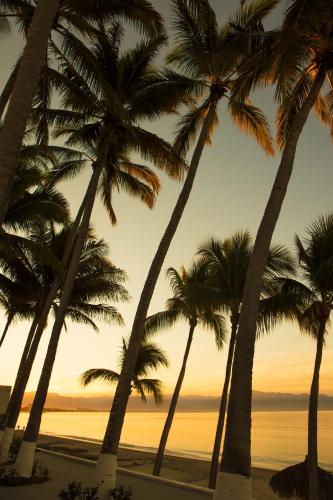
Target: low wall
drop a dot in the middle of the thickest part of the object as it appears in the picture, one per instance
(146, 487)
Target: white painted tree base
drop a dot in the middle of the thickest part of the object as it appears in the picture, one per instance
(232, 487)
(105, 472)
(7, 439)
(25, 459)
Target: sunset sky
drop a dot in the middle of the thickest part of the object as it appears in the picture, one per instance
(230, 193)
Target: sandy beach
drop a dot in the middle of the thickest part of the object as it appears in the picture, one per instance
(178, 468)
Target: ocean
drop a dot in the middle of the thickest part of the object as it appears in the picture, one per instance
(279, 439)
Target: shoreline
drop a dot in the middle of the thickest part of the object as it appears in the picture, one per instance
(181, 468)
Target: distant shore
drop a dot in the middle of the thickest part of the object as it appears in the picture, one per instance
(187, 470)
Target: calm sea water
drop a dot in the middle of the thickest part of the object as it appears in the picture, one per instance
(279, 438)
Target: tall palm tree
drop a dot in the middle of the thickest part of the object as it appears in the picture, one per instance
(314, 297)
(302, 55)
(151, 357)
(209, 60)
(110, 103)
(41, 17)
(97, 279)
(191, 302)
(227, 263)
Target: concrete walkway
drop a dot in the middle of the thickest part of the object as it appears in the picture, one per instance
(62, 472)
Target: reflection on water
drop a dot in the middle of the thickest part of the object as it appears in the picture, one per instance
(279, 438)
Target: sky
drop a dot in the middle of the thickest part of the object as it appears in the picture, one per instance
(230, 193)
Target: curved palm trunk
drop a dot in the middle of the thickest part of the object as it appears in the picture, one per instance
(4, 333)
(6, 428)
(8, 89)
(25, 457)
(312, 421)
(234, 480)
(223, 405)
(22, 97)
(172, 408)
(11, 416)
(107, 461)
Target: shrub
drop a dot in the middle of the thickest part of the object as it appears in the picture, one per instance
(10, 477)
(75, 491)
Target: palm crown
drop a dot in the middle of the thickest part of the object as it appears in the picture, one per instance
(151, 357)
(33, 199)
(313, 293)
(293, 58)
(209, 57)
(191, 302)
(103, 101)
(81, 16)
(29, 278)
(227, 263)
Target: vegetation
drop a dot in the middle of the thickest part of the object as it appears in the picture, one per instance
(313, 296)
(226, 265)
(82, 102)
(151, 357)
(76, 490)
(191, 303)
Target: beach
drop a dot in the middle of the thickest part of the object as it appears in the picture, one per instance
(187, 470)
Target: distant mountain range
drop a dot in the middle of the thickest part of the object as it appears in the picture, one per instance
(262, 401)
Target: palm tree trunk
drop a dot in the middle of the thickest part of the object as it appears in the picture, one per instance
(7, 428)
(234, 480)
(25, 457)
(11, 416)
(314, 491)
(22, 97)
(4, 333)
(8, 89)
(223, 405)
(107, 462)
(173, 404)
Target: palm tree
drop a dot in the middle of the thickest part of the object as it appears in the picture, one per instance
(210, 60)
(227, 263)
(97, 279)
(314, 297)
(151, 357)
(191, 302)
(302, 55)
(110, 104)
(41, 17)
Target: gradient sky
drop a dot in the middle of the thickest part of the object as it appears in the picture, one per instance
(230, 193)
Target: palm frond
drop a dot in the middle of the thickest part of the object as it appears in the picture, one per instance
(252, 121)
(100, 374)
(150, 386)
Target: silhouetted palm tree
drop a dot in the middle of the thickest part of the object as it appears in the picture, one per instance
(313, 295)
(299, 60)
(151, 357)
(227, 263)
(97, 279)
(209, 58)
(92, 110)
(191, 303)
(39, 18)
